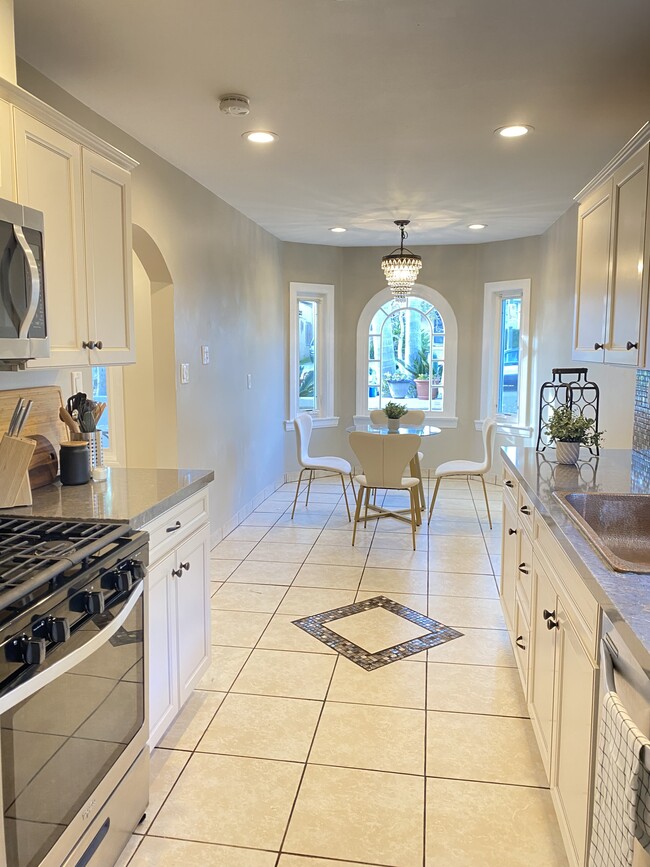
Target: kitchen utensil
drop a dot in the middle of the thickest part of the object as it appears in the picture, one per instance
(87, 423)
(44, 465)
(20, 424)
(67, 419)
(14, 417)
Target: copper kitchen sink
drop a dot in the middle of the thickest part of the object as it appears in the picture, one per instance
(618, 525)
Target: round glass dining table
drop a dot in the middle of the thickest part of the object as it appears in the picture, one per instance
(422, 430)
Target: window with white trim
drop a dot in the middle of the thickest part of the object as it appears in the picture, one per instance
(108, 388)
(406, 351)
(505, 351)
(311, 352)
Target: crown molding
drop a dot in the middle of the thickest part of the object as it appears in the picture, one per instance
(638, 140)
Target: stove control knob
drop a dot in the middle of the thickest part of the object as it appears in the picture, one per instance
(136, 568)
(94, 601)
(33, 650)
(58, 629)
(122, 581)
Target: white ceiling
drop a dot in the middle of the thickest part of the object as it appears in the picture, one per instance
(384, 108)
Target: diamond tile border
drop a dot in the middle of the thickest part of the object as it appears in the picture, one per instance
(438, 633)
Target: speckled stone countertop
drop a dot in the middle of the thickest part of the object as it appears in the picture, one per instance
(128, 495)
(623, 596)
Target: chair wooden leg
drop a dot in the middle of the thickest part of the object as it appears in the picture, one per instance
(295, 499)
(414, 494)
(347, 505)
(357, 512)
(311, 476)
(487, 504)
(433, 498)
(365, 516)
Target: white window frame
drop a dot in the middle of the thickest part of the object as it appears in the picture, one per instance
(115, 455)
(494, 293)
(441, 418)
(323, 294)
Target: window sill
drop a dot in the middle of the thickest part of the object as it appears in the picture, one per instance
(444, 421)
(316, 422)
(513, 430)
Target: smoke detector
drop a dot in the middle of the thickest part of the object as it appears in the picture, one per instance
(234, 104)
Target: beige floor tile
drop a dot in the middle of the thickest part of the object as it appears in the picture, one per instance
(331, 577)
(292, 535)
(344, 537)
(471, 824)
(455, 584)
(225, 665)
(283, 634)
(242, 801)
(284, 673)
(376, 629)
(397, 542)
(475, 689)
(340, 521)
(385, 558)
(165, 768)
(163, 852)
(215, 585)
(280, 552)
(301, 861)
(188, 727)
(415, 601)
(372, 737)
(459, 561)
(248, 597)
(228, 550)
(360, 815)
(221, 569)
(246, 534)
(273, 507)
(337, 555)
(462, 544)
(238, 628)
(253, 572)
(445, 526)
(128, 851)
(394, 580)
(398, 684)
(263, 727)
(302, 519)
(494, 749)
(305, 601)
(476, 647)
(259, 519)
(460, 611)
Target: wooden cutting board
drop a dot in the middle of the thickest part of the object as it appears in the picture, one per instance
(43, 420)
(44, 465)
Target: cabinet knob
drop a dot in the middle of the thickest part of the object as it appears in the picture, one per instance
(99, 345)
(186, 566)
(519, 641)
(599, 346)
(525, 510)
(509, 484)
(546, 613)
(629, 345)
(177, 573)
(88, 344)
(552, 624)
(511, 532)
(522, 568)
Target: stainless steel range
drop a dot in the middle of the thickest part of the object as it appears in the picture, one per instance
(73, 757)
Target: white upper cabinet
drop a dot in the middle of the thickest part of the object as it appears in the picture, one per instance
(7, 188)
(612, 261)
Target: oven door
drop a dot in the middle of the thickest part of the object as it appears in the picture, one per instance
(70, 732)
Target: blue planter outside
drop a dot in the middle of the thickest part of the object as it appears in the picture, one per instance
(400, 389)
(373, 391)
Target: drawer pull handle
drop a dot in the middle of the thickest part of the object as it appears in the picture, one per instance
(511, 532)
(509, 484)
(629, 345)
(552, 624)
(598, 346)
(519, 641)
(525, 510)
(173, 529)
(546, 614)
(522, 568)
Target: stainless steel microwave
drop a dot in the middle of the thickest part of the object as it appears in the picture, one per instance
(23, 323)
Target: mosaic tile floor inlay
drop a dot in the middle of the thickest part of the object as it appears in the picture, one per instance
(437, 633)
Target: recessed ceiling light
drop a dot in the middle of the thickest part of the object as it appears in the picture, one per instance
(338, 229)
(514, 131)
(477, 226)
(260, 136)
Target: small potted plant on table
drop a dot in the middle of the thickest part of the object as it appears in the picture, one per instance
(569, 430)
(394, 412)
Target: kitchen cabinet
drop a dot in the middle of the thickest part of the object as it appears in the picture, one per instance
(542, 662)
(612, 263)
(179, 609)
(509, 562)
(7, 188)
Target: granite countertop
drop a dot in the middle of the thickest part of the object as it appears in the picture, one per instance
(133, 496)
(623, 596)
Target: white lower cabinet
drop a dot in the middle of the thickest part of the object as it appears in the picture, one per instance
(179, 610)
(542, 662)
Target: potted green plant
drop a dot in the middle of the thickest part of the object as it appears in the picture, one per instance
(394, 412)
(398, 383)
(419, 367)
(569, 430)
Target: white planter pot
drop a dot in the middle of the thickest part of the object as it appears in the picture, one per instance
(567, 453)
(394, 423)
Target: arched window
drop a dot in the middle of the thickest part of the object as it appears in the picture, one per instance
(406, 351)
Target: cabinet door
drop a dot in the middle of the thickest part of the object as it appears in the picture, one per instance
(592, 274)
(48, 178)
(573, 742)
(626, 309)
(7, 187)
(509, 562)
(192, 594)
(162, 666)
(541, 666)
(109, 264)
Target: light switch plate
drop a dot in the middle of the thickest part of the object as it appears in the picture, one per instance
(205, 355)
(77, 379)
(185, 373)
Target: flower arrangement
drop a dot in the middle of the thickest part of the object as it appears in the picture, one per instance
(395, 410)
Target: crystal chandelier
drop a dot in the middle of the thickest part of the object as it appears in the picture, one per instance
(401, 267)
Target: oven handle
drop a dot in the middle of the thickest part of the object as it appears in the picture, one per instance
(61, 666)
(34, 282)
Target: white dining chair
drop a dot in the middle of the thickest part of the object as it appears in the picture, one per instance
(384, 460)
(303, 426)
(469, 469)
(412, 418)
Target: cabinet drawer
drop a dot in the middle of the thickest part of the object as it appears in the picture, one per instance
(175, 525)
(525, 510)
(521, 641)
(525, 571)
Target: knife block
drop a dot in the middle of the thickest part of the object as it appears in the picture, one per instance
(15, 455)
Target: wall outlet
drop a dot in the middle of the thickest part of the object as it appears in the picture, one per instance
(249, 380)
(185, 373)
(77, 380)
(205, 355)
